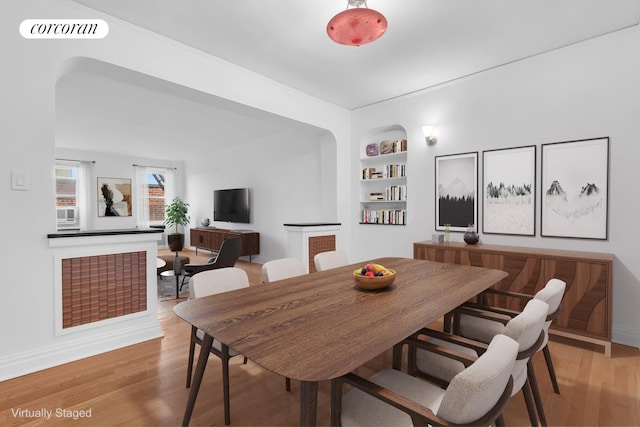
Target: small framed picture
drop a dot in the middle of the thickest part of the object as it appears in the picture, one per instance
(575, 189)
(456, 191)
(509, 191)
(114, 197)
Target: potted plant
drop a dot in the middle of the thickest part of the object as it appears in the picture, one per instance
(175, 215)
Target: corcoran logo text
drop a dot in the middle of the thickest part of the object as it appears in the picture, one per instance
(64, 29)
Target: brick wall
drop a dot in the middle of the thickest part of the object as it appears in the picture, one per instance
(102, 287)
(156, 206)
(65, 186)
(318, 244)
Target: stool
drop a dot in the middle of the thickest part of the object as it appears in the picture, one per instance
(169, 260)
(168, 269)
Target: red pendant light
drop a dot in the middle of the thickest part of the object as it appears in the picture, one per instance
(356, 26)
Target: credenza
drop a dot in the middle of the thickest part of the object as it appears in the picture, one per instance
(211, 239)
(586, 307)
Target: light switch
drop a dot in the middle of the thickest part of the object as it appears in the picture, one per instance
(19, 180)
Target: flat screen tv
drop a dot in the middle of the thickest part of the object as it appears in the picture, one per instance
(231, 205)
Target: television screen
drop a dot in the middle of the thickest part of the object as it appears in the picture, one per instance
(231, 205)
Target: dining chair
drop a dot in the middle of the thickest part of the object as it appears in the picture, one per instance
(227, 256)
(526, 328)
(279, 269)
(207, 283)
(474, 396)
(282, 268)
(482, 329)
(330, 259)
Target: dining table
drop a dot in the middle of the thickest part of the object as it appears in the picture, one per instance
(320, 326)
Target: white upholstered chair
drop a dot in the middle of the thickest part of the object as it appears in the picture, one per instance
(282, 268)
(482, 329)
(279, 269)
(526, 328)
(330, 259)
(474, 396)
(212, 282)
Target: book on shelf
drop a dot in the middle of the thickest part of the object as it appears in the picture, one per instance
(399, 146)
(396, 192)
(396, 170)
(384, 216)
(390, 171)
(372, 173)
(376, 196)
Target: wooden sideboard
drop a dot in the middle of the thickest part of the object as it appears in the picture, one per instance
(211, 239)
(586, 307)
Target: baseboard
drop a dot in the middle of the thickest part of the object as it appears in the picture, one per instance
(16, 365)
(626, 336)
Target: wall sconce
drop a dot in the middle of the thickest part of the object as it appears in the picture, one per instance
(428, 132)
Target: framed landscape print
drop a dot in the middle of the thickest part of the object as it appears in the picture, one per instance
(508, 182)
(575, 189)
(456, 191)
(114, 197)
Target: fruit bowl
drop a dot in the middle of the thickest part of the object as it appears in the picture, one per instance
(375, 282)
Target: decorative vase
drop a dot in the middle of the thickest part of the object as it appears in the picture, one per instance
(470, 236)
(205, 222)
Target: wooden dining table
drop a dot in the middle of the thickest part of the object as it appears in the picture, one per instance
(320, 326)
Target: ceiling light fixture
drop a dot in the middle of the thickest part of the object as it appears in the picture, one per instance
(358, 25)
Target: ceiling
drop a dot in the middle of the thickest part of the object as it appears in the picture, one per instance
(428, 42)
(148, 117)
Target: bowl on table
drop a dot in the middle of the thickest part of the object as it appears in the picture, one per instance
(374, 282)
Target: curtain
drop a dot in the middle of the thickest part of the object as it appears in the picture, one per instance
(169, 185)
(141, 203)
(84, 194)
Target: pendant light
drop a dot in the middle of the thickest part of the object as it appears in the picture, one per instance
(356, 26)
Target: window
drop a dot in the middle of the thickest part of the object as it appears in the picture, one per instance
(67, 195)
(72, 211)
(155, 190)
(155, 202)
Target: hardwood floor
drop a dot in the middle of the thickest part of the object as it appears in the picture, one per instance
(144, 385)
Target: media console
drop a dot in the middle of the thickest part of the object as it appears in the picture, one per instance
(211, 238)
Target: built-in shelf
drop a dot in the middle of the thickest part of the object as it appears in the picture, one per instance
(383, 182)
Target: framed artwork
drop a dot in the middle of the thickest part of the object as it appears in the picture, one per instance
(508, 182)
(575, 189)
(456, 191)
(114, 197)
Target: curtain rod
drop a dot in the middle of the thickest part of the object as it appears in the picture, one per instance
(76, 160)
(158, 167)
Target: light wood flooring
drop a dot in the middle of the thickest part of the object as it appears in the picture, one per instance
(144, 385)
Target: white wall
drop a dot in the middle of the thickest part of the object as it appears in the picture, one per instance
(284, 174)
(588, 90)
(27, 84)
(110, 165)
